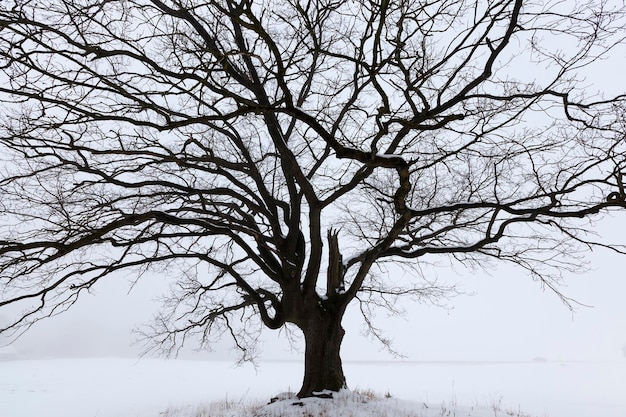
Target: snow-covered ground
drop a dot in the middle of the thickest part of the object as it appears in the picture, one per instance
(112, 387)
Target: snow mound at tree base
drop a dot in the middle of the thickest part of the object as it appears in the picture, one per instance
(348, 403)
(344, 403)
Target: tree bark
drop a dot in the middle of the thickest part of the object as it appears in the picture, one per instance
(322, 364)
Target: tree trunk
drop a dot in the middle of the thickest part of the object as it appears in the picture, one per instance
(322, 363)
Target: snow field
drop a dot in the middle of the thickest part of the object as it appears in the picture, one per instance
(113, 387)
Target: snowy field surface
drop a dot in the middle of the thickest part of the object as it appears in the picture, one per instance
(112, 387)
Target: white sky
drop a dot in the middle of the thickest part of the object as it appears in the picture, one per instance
(509, 317)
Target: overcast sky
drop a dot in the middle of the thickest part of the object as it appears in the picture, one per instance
(508, 317)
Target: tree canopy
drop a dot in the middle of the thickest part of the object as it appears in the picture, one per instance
(272, 156)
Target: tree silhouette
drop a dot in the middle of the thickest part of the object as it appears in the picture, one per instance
(271, 157)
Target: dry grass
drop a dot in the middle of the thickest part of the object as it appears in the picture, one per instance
(358, 403)
(223, 408)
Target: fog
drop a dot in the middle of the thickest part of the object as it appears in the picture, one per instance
(504, 316)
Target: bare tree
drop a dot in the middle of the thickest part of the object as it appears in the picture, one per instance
(270, 155)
